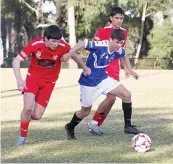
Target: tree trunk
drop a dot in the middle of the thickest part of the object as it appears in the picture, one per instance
(1, 52)
(141, 36)
(72, 35)
(7, 42)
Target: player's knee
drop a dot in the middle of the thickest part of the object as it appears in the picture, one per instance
(111, 99)
(127, 96)
(37, 112)
(35, 116)
(85, 111)
(27, 111)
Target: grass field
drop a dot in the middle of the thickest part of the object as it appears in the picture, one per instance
(152, 97)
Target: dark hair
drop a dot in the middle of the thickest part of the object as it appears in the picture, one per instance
(53, 32)
(116, 10)
(117, 34)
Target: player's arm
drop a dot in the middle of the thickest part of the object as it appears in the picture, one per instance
(122, 62)
(78, 46)
(72, 53)
(128, 66)
(76, 57)
(80, 61)
(88, 45)
(16, 65)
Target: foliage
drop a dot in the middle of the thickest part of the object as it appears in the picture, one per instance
(161, 42)
(90, 15)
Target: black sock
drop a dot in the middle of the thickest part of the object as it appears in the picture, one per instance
(74, 122)
(127, 108)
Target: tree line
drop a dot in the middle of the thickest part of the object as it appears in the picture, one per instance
(149, 25)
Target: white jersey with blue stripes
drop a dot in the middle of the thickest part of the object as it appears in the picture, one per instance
(97, 61)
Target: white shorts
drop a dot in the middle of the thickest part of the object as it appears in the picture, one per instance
(89, 94)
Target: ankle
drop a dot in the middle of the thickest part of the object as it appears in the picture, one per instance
(94, 122)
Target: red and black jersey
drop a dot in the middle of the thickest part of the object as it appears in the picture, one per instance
(45, 63)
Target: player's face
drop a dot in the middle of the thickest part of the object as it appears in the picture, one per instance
(117, 20)
(52, 43)
(116, 44)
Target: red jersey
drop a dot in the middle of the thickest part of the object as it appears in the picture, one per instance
(45, 63)
(104, 34)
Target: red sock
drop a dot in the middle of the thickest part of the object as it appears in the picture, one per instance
(24, 129)
(99, 118)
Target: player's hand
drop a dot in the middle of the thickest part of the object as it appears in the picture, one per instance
(65, 58)
(87, 71)
(21, 84)
(134, 74)
(127, 73)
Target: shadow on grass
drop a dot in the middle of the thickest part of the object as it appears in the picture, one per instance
(48, 144)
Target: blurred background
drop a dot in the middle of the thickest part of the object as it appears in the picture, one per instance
(149, 25)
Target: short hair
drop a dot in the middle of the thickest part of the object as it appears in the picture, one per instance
(116, 10)
(117, 34)
(53, 32)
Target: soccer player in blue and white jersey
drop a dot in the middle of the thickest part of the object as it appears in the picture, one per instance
(94, 81)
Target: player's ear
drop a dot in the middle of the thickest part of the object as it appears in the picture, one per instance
(110, 18)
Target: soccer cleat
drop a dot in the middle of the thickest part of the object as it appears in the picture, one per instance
(133, 126)
(70, 133)
(131, 130)
(94, 129)
(21, 141)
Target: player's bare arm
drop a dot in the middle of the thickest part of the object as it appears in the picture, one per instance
(126, 70)
(78, 59)
(16, 67)
(126, 61)
(78, 46)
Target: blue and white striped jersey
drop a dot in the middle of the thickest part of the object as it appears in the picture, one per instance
(97, 61)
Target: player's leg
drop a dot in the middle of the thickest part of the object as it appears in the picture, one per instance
(38, 111)
(76, 119)
(29, 99)
(42, 100)
(104, 109)
(105, 106)
(121, 92)
(87, 96)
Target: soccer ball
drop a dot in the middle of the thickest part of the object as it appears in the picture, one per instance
(141, 142)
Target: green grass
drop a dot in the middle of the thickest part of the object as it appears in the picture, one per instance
(47, 143)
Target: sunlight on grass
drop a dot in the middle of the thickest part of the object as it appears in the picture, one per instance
(47, 143)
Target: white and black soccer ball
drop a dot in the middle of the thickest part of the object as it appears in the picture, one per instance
(141, 142)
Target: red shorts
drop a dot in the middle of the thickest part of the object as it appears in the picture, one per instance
(41, 89)
(113, 69)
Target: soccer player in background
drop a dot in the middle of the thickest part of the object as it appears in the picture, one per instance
(113, 69)
(98, 82)
(42, 74)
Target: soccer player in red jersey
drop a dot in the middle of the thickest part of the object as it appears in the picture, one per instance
(116, 18)
(44, 69)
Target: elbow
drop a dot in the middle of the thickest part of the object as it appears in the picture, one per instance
(74, 56)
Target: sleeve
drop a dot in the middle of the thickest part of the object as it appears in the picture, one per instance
(99, 35)
(95, 45)
(122, 52)
(67, 48)
(27, 51)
